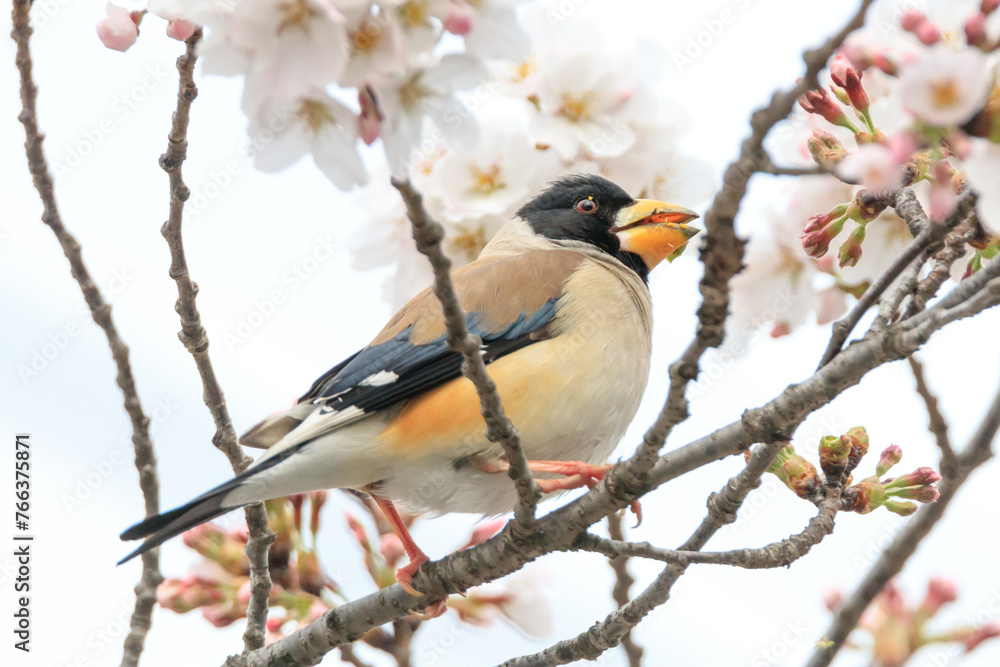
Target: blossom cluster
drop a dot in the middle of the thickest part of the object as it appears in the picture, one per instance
(897, 630)
(911, 101)
(839, 456)
(219, 584)
(573, 106)
(480, 103)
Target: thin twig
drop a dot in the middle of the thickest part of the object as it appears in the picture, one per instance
(100, 311)
(777, 554)
(938, 425)
(621, 593)
(195, 340)
(428, 234)
(895, 556)
(722, 254)
(907, 207)
(955, 245)
(605, 634)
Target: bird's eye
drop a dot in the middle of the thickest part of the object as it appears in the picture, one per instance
(586, 206)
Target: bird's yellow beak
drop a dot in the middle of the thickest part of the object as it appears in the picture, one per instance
(654, 230)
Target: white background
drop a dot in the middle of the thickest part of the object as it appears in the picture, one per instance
(257, 228)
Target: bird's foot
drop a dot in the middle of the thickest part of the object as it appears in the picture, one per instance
(578, 474)
(404, 575)
(433, 610)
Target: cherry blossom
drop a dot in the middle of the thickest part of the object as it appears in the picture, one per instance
(945, 87)
(872, 165)
(495, 31)
(982, 167)
(375, 43)
(427, 91)
(316, 124)
(583, 101)
(119, 30)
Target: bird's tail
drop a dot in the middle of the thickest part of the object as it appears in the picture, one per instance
(158, 529)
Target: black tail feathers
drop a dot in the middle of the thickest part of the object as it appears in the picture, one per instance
(160, 528)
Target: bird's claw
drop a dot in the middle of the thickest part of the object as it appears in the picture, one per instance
(433, 610)
(404, 576)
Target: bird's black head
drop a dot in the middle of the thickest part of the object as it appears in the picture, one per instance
(591, 209)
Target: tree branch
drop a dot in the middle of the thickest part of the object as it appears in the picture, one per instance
(195, 340)
(428, 234)
(777, 554)
(892, 560)
(558, 529)
(623, 584)
(907, 207)
(100, 311)
(937, 424)
(722, 252)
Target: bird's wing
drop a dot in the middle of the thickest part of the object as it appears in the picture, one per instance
(508, 301)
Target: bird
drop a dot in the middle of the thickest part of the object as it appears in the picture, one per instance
(560, 300)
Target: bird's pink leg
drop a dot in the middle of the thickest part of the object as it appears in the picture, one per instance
(577, 475)
(404, 575)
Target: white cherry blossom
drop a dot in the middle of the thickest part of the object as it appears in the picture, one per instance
(945, 87)
(982, 167)
(375, 41)
(316, 124)
(427, 91)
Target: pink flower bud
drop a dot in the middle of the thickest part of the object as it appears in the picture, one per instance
(180, 30)
(832, 599)
(818, 242)
(850, 250)
(982, 633)
(460, 18)
(819, 103)
(939, 593)
(370, 119)
(847, 77)
(928, 33)
(825, 149)
(274, 623)
(358, 530)
(391, 548)
(119, 30)
(780, 329)
(316, 610)
(207, 539)
(221, 615)
(318, 499)
(912, 19)
(890, 457)
(989, 6)
(485, 531)
(975, 29)
(919, 477)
